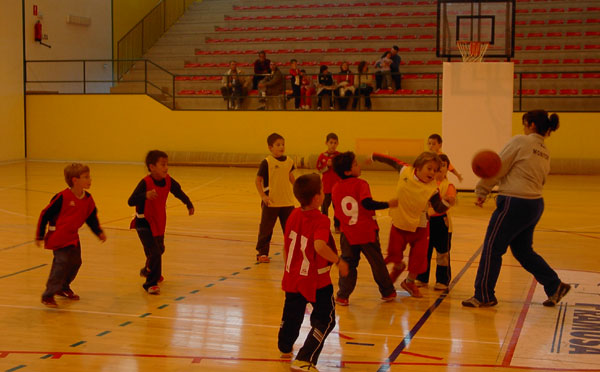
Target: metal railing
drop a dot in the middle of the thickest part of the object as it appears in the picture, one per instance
(146, 32)
(184, 91)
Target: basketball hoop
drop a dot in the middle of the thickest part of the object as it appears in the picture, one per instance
(472, 51)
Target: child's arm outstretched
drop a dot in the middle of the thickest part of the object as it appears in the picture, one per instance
(397, 164)
(327, 253)
(373, 205)
(179, 194)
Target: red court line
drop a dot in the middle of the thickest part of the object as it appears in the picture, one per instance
(512, 345)
(198, 359)
(345, 337)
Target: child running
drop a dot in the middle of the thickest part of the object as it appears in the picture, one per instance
(67, 211)
(416, 190)
(355, 208)
(308, 254)
(150, 201)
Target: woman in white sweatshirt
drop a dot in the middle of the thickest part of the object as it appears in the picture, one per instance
(519, 206)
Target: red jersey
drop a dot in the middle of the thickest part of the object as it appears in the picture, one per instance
(155, 211)
(330, 178)
(305, 270)
(65, 219)
(357, 223)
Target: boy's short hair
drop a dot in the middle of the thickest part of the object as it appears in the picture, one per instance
(444, 158)
(75, 170)
(273, 137)
(331, 136)
(436, 137)
(343, 163)
(306, 187)
(323, 68)
(154, 156)
(293, 60)
(426, 157)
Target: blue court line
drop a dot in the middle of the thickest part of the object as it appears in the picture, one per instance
(163, 306)
(179, 298)
(237, 272)
(209, 285)
(411, 334)
(556, 327)
(23, 271)
(46, 356)
(359, 343)
(195, 291)
(222, 278)
(15, 368)
(103, 333)
(562, 327)
(16, 246)
(124, 324)
(78, 343)
(247, 268)
(145, 315)
(276, 253)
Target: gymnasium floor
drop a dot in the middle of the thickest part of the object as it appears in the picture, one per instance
(220, 311)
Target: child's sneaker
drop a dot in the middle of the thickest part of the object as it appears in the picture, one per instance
(144, 273)
(68, 294)
(300, 365)
(473, 302)
(419, 283)
(49, 301)
(563, 289)
(389, 298)
(263, 259)
(411, 288)
(342, 301)
(396, 271)
(440, 287)
(154, 290)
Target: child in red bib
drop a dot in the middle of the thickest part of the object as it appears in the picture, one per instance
(330, 178)
(355, 208)
(150, 199)
(67, 211)
(309, 251)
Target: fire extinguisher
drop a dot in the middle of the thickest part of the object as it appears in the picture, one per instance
(37, 33)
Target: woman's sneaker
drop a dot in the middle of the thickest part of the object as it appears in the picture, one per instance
(68, 294)
(263, 259)
(300, 365)
(49, 301)
(154, 290)
(473, 302)
(563, 289)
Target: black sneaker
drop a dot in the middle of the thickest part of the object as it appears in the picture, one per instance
(473, 302)
(563, 289)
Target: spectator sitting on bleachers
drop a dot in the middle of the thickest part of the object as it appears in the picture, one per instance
(261, 68)
(271, 86)
(325, 87)
(306, 90)
(233, 86)
(363, 83)
(384, 75)
(395, 67)
(345, 86)
(296, 82)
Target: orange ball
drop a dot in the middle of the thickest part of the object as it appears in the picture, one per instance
(486, 164)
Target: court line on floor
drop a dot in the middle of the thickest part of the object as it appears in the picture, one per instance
(17, 245)
(512, 345)
(23, 271)
(198, 359)
(413, 331)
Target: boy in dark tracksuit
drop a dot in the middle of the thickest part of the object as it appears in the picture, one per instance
(150, 199)
(65, 214)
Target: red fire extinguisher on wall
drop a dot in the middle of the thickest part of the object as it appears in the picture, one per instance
(37, 33)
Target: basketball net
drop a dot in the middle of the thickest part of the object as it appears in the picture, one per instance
(472, 51)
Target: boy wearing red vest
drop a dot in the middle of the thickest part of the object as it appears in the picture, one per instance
(150, 201)
(67, 211)
(330, 178)
(355, 208)
(309, 252)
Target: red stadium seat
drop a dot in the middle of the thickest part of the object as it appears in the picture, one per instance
(533, 47)
(529, 76)
(552, 47)
(374, 37)
(341, 37)
(550, 61)
(554, 34)
(403, 92)
(591, 46)
(435, 62)
(592, 33)
(186, 92)
(556, 22)
(592, 20)
(590, 92)
(569, 76)
(569, 92)
(549, 76)
(574, 21)
(571, 61)
(526, 92)
(572, 47)
(547, 92)
(391, 37)
(368, 50)
(531, 61)
(591, 75)
(424, 91)
(574, 34)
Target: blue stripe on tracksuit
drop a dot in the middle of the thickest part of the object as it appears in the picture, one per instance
(512, 224)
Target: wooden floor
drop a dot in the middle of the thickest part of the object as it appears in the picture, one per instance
(220, 311)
